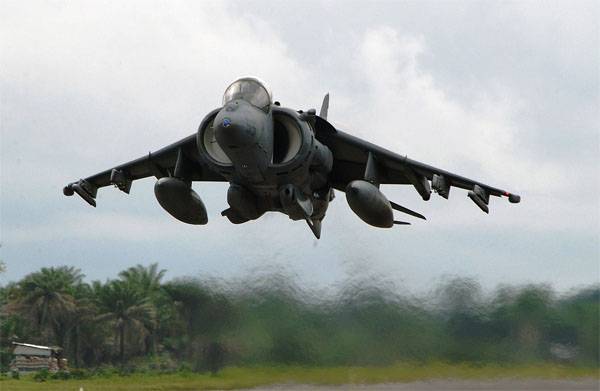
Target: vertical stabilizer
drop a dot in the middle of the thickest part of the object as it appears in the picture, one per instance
(324, 107)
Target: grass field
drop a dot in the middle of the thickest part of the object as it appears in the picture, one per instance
(232, 378)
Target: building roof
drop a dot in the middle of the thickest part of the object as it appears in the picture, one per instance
(36, 346)
(30, 349)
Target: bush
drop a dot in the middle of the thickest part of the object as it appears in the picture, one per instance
(5, 358)
(15, 375)
(60, 375)
(79, 374)
(214, 355)
(184, 368)
(41, 376)
(127, 370)
(106, 372)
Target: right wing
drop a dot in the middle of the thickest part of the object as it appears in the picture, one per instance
(179, 159)
(354, 158)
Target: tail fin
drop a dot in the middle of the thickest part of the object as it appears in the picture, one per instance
(324, 107)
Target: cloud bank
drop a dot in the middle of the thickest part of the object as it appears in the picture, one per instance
(88, 86)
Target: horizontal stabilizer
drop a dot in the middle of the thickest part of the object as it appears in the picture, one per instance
(401, 222)
(402, 209)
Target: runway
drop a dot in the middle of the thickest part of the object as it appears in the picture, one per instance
(496, 385)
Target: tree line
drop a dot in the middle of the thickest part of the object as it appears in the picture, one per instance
(139, 319)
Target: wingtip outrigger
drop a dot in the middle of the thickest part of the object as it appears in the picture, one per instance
(513, 198)
(83, 189)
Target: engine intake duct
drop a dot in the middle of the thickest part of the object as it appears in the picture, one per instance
(287, 138)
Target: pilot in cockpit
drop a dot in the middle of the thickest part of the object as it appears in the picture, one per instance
(251, 90)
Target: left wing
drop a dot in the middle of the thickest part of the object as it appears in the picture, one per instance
(354, 159)
(179, 159)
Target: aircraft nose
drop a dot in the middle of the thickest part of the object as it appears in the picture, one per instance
(232, 128)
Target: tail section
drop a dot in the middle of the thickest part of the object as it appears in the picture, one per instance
(324, 107)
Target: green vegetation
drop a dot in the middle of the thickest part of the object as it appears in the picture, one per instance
(233, 377)
(269, 330)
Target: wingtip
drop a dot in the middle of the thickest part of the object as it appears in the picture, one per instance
(83, 189)
(68, 191)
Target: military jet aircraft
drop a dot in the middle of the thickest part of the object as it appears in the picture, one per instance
(279, 159)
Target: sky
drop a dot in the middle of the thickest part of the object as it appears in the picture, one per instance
(502, 92)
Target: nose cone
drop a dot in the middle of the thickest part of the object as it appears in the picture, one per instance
(235, 125)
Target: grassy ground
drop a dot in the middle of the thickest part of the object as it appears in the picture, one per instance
(232, 378)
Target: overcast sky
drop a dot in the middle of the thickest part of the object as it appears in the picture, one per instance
(506, 93)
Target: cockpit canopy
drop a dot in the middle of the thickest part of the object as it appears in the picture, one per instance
(250, 89)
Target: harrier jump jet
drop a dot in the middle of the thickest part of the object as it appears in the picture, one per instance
(283, 160)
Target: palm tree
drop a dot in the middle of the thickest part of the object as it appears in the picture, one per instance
(205, 314)
(46, 296)
(192, 301)
(2, 265)
(146, 279)
(123, 306)
(82, 317)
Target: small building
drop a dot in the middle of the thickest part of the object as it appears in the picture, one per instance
(29, 358)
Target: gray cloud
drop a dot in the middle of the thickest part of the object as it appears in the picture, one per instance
(503, 92)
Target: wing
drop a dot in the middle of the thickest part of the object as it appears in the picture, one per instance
(354, 159)
(179, 159)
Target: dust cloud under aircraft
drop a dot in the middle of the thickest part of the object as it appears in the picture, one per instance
(279, 159)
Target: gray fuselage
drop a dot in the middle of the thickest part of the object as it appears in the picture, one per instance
(270, 157)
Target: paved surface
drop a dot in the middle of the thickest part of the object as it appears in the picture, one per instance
(497, 385)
